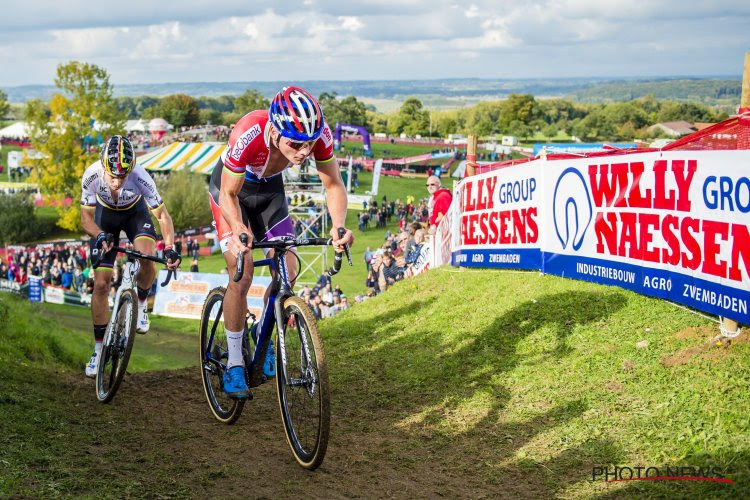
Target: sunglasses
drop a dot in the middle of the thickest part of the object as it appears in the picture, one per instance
(297, 145)
(430, 184)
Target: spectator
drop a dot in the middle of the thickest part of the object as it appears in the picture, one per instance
(194, 265)
(21, 276)
(368, 258)
(79, 278)
(389, 271)
(440, 200)
(66, 280)
(413, 255)
(56, 275)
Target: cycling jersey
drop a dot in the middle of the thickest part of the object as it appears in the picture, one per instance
(139, 184)
(262, 205)
(135, 221)
(247, 151)
(262, 200)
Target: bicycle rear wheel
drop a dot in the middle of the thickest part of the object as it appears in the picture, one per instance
(213, 358)
(302, 384)
(117, 347)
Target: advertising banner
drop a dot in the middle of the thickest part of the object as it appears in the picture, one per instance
(35, 289)
(183, 297)
(376, 176)
(674, 225)
(500, 219)
(579, 147)
(669, 224)
(13, 287)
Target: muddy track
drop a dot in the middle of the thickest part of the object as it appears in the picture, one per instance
(162, 424)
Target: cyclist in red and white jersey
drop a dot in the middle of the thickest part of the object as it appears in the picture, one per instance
(247, 196)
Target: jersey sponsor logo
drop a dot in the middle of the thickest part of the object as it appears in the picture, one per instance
(89, 180)
(242, 141)
(147, 184)
(327, 138)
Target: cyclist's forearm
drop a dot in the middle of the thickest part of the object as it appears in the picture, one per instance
(336, 200)
(167, 228)
(88, 224)
(230, 210)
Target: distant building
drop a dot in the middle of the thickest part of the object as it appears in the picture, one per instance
(673, 129)
(700, 125)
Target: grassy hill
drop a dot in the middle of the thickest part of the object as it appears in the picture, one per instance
(456, 383)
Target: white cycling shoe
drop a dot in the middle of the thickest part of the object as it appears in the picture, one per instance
(91, 366)
(143, 323)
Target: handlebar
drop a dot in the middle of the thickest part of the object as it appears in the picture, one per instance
(283, 244)
(96, 258)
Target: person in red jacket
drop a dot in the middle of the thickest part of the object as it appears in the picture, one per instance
(440, 201)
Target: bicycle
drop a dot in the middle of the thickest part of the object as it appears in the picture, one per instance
(301, 370)
(120, 334)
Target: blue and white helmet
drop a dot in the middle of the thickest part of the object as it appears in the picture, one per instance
(296, 114)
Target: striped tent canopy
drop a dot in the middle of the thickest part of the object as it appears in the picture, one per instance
(197, 156)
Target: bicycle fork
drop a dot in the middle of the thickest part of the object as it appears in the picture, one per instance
(129, 273)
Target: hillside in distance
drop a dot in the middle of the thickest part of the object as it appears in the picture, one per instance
(446, 93)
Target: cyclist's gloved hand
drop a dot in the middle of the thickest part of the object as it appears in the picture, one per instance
(100, 240)
(173, 258)
(103, 243)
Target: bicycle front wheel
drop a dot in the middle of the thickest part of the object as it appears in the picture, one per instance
(302, 384)
(213, 359)
(117, 347)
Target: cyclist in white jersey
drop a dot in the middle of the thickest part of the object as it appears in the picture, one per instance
(116, 195)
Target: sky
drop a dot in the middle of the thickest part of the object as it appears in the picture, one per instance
(143, 41)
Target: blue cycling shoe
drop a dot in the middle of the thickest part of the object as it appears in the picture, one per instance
(234, 383)
(269, 367)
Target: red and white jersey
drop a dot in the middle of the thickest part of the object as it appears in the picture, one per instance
(248, 146)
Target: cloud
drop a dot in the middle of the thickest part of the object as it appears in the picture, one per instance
(383, 39)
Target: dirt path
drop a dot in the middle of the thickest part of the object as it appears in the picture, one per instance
(161, 433)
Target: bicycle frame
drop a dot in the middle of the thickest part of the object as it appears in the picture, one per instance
(280, 290)
(272, 314)
(129, 274)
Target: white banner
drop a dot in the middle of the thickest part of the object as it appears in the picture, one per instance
(376, 176)
(674, 225)
(184, 297)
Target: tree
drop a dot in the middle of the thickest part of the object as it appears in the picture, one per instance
(210, 116)
(185, 194)
(411, 118)
(347, 110)
(18, 222)
(519, 107)
(251, 100)
(65, 135)
(4, 105)
(180, 110)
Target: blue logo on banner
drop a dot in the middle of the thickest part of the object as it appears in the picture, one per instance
(572, 208)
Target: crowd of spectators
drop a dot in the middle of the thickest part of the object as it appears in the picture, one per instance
(60, 264)
(406, 211)
(401, 250)
(389, 263)
(324, 301)
(67, 265)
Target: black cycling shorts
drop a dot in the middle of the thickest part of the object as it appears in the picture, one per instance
(262, 204)
(135, 221)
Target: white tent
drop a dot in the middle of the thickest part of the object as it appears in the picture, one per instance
(136, 126)
(18, 130)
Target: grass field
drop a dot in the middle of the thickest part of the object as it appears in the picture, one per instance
(432, 396)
